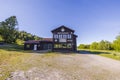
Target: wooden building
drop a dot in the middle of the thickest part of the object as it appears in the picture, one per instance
(43, 44)
(63, 39)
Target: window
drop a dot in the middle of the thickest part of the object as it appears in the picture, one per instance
(69, 45)
(55, 36)
(56, 45)
(60, 36)
(28, 46)
(64, 36)
(64, 46)
(62, 40)
(69, 36)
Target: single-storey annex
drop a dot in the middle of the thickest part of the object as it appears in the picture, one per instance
(63, 39)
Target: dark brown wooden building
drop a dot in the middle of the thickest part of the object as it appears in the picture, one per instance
(63, 39)
(43, 44)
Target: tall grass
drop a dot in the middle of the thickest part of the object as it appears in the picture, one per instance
(12, 57)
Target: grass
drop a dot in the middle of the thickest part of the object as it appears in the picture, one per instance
(12, 57)
(106, 53)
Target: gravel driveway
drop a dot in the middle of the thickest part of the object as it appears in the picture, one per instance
(69, 67)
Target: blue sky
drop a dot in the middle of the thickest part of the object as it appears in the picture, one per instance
(93, 20)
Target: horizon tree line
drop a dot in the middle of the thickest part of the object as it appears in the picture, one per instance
(102, 45)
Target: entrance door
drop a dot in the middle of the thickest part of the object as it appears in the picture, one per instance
(35, 47)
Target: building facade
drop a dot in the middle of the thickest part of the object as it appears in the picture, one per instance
(63, 39)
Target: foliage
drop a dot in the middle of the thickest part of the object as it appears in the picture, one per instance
(81, 46)
(8, 29)
(10, 34)
(94, 45)
(84, 46)
(104, 45)
(19, 42)
(116, 43)
(1, 39)
(23, 35)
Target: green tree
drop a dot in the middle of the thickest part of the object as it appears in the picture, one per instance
(81, 46)
(8, 29)
(116, 43)
(94, 46)
(104, 45)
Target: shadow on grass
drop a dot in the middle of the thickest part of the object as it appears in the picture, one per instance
(92, 52)
(14, 47)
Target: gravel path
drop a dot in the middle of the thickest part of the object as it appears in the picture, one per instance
(70, 67)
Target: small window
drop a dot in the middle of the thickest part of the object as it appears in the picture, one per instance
(60, 36)
(64, 46)
(28, 46)
(69, 45)
(64, 36)
(56, 36)
(69, 36)
(56, 46)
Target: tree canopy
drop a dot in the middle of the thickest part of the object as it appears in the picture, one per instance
(9, 32)
(116, 43)
(8, 29)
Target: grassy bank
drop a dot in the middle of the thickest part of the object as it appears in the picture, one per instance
(106, 53)
(12, 57)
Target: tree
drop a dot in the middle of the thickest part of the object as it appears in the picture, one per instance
(116, 43)
(94, 46)
(8, 29)
(81, 46)
(84, 46)
(23, 35)
(104, 45)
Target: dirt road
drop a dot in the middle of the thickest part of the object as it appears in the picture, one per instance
(69, 67)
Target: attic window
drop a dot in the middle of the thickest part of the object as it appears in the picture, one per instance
(62, 29)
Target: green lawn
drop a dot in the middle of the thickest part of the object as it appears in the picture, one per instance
(106, 53)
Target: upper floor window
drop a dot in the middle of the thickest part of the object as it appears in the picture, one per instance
(69, 36)
(64, 36)
(55, 36)
(60, 36)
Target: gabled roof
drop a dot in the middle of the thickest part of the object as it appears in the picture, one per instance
(62, 27)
